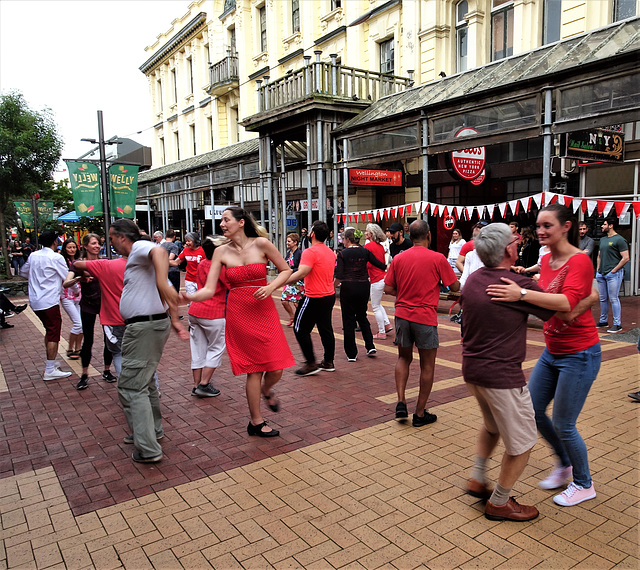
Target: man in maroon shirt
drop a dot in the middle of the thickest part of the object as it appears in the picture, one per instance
(493, 349)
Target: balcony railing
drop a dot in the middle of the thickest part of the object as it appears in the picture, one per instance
(330, 79)
(223, 76)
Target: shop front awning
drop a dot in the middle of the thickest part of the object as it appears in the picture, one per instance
(594, 78)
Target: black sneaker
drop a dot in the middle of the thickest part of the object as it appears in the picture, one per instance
(19, 309)
(327, 366)
(401, 411)
(107, 376)
(615, 329)
(603, 324)
(6, 326)
(207, 391)
(308, 369)
(635, 396)
(193, 391)
(427, 418)
(371, 353)
(83, 383)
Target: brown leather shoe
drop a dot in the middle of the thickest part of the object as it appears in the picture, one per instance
(512, 511)
(478, 490)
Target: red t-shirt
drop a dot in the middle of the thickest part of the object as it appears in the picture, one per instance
(110, 275)
(319, 281)
(211, 308)
(193, 257)
(574, 280)
(467, 247)
(416, 276)
(375, 274)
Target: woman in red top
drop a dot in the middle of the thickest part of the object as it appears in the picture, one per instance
(571, 361)
(194, 254)
(376, 236)
(206, 326)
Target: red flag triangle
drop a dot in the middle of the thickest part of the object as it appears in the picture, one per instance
(619, 207)
(601, 206)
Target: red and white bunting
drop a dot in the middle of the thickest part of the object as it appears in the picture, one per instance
(621, 208)
(636, 209)
(418, 207)
(607, 209)
(526, 203)
(513, 204)
(575, 204)
(490, 210)
(401, 211)
(591, 206)
(537, 198)
(459, 210)
(503, 209)
(469, 211)
(409, 206)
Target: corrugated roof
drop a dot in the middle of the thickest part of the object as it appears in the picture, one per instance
(230, 152)
(613, 40)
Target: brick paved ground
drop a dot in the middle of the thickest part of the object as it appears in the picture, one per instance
(345, 485)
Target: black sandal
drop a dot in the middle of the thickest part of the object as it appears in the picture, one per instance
(273, 407)
(257, 430)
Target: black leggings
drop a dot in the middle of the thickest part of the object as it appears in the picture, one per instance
(88, 324)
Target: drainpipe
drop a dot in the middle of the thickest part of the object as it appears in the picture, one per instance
(425, 161)
(241, 184)
(275, 183)
(261, 190)
(269, 163)
(309, 219)
(335, 187)
(345, 179)
(322, 190)
(283, 183)
(548, 139)
(213, 211)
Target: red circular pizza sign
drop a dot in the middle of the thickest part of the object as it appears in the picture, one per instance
(449, 222)
(468, 163)
(480, 179)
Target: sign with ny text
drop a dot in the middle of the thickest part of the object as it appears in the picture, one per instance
(595, 144)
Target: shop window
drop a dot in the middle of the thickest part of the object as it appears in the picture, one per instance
(461, 36)
(210, 131)
(159, 95)
(295, 16)
(623, 9)
(335, 4)
(501, 29)
(192, 132)
(262, 13)
(162, 156)
(176, 139)
(523, 187)
(387, 57)
(552, 11)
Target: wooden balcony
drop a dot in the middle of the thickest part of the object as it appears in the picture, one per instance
(223, 76)
(326, 82)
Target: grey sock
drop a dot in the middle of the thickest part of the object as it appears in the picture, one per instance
(500, 496)
(479, 468)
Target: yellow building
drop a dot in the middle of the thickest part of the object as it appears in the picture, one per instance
(268, 103)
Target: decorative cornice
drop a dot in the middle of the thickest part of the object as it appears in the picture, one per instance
(179, 39)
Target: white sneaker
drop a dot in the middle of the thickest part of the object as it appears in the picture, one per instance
(557, 478)
(574, 495)
(55, 375)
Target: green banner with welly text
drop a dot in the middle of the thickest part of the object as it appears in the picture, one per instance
(123, 186)
(25, 212)
(85, 183)
(45, 211)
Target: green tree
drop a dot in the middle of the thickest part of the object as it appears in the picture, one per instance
(30, 149)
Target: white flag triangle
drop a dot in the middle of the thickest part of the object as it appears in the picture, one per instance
(607, 209)
(490, 209)
(537, 198)
(591, 206)
(418, 208)
(513, 204)
(503, 209)
(575, 204)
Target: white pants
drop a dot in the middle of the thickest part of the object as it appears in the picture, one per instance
(207, 342)
(377, 289)
(190, 287)
(73, 310)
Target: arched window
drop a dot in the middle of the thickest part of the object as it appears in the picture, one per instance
(461, 35)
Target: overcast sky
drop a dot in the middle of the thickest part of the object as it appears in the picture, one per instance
(78, 57)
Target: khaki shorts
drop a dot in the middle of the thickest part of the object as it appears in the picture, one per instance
(508, 412)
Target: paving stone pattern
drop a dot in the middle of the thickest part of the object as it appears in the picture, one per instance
(345, 485)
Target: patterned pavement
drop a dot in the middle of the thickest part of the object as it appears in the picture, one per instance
(345, 485)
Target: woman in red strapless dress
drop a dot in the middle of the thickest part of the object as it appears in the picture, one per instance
(256, 344)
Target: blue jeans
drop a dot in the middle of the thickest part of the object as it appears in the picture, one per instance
(566, 379)
(609, 288)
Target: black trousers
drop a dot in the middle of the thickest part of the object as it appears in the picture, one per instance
(174, 277)
(315, 312)
(354, 298)
(88, 324)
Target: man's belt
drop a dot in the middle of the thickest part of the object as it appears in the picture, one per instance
(145, 318)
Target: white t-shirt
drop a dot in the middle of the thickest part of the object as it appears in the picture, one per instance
(472, 263)
(140, 295)
(46, 270)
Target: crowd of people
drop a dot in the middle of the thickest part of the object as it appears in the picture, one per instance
(231, 308)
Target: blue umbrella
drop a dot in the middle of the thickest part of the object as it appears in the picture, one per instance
(69, 217)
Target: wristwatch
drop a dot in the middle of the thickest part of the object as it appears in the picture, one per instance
(523, 292)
